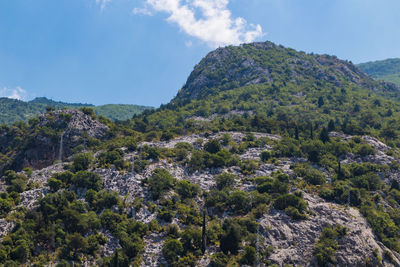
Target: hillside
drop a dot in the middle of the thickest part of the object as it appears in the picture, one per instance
(12, 110)
(277, 83)
(385, 70)
(266, 157)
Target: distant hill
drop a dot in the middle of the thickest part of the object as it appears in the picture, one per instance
(12, 110)
(385, 70)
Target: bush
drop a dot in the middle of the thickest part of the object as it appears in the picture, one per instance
(54, 184)
(287, 148)
(364, 150)
(219, 259)
(265, 155)
(370, 181)
(325, 249)
(213, 146)
(88, 180)
(187, 189)
(82, 161)
(5, 207)
(172, 250)
(249, 257)
(231, 239)
(271, 185)
(160, 182)
(311, 175)
(225, 180)
(291, 200)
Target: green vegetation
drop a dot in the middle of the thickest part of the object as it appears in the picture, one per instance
(385, 70)
(325, 249)
(13, 110)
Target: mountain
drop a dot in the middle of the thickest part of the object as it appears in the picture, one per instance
(266, 157)
(12, 110)
(274, 82)
(385, 70)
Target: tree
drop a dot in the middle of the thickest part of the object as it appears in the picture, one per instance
(187, 189)
(230, 240)
(82, 161)
(203, 233)
(213, 146)
(249, 257)
(225, 180)
(171, 250)
(160, 182)
(320, 101)
(331, 126)
(324, 135)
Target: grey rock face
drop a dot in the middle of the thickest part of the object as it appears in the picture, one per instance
(294, 240)
(74, 125)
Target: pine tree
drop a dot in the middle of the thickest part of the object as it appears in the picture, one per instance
(324, 135)
(204, 238)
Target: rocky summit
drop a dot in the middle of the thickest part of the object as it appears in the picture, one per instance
(266, 157)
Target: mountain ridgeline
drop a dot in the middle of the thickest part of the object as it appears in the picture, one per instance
(266, 157)
(385, 70)
(282, 84)
(13, 110)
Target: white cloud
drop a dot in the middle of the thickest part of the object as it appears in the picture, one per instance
(215, 26)
(189, 43)
(17, 93)
(142, 11)
(103, 3)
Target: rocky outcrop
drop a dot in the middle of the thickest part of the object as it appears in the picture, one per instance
(5, 227)
(293, 241)
(42, 148)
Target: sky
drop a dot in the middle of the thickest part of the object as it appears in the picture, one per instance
(142, 51)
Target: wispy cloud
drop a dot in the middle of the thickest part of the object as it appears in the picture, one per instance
(102, 3)
(215, 25)
(16, 93)
(142, 11)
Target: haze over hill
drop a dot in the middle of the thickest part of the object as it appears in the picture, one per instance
(386, 70)
(13, 110)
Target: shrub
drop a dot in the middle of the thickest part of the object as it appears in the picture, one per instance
(291, 200)
(249, 257)
(54, 184)
(160, 182)
(287, 148)
(265, 155)
(271, 185)
(311, 175)
(82, 161)
(225, 180)
(187, 189)
(325, 249)
(213, 146)
(172, 250)
(230, 240)
(88, 180)
(364, 150)
(370, 181)
(219, 259)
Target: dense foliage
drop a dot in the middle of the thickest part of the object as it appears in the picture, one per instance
(386, 70)
(13, 110)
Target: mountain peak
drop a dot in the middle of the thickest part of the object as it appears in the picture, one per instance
(265, 62)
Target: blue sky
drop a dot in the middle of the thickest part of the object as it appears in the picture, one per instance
(142, 51)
